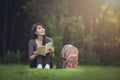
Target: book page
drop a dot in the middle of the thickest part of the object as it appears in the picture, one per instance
(43, 50)
(48, 46)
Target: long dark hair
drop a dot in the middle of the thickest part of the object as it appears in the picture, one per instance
(33, 30)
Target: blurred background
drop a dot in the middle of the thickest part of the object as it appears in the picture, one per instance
(90, 25)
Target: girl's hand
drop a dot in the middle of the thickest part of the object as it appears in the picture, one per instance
(36, 53)
(51, 50)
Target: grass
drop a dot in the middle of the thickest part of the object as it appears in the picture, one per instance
(23, 72)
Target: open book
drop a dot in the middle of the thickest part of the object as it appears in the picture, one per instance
(43, 50)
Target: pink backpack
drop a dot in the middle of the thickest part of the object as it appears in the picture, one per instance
(68, 57)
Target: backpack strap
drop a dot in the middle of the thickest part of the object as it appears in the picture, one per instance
(64, 59)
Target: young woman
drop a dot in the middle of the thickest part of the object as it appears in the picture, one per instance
(39, 38)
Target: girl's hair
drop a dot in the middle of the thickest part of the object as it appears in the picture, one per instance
(33, 30)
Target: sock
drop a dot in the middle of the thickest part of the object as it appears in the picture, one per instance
(39, 66)
(47, 66)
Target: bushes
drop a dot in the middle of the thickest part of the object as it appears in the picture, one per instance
(13, 57)
(87, 58)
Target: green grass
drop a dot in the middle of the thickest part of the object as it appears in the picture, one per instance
(23, 72)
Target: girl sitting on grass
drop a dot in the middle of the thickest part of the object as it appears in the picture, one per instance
(39, 38)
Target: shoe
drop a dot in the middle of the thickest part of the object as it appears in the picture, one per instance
(39, 66)
(47, 66)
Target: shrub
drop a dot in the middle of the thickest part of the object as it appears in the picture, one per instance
(13, 57)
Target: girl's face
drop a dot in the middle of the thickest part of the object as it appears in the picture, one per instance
(40, 31)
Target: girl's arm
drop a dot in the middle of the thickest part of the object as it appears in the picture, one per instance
(35, 54)
(32, 54)
(52, 51)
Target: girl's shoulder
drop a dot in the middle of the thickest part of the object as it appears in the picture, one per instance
(49, 38)
(32, 41)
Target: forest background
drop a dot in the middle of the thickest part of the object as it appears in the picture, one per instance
(90, 25)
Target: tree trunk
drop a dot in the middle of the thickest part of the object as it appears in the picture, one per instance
(12, 33)
(5, 29)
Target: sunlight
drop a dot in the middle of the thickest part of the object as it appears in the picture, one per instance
(112, 2)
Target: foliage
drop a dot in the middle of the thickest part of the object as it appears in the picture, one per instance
(14, 57)
(92, 26)
(58, 48)
(93, 31)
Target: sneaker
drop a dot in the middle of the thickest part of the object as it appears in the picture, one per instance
(47, 66)
(39, 66)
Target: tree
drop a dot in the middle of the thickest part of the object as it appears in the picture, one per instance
(5, 28)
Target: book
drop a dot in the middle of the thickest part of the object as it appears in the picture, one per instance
(43, 50)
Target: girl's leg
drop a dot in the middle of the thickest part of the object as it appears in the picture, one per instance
(47, 58)
(33, 63)
(47, 61)
(39, 61)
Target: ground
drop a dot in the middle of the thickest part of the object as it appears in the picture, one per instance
(23, 72)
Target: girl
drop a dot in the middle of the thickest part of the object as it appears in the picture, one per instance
(40, 39)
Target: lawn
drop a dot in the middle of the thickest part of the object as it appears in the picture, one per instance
(23, 72)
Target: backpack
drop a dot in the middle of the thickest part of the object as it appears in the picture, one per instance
(68, 57)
